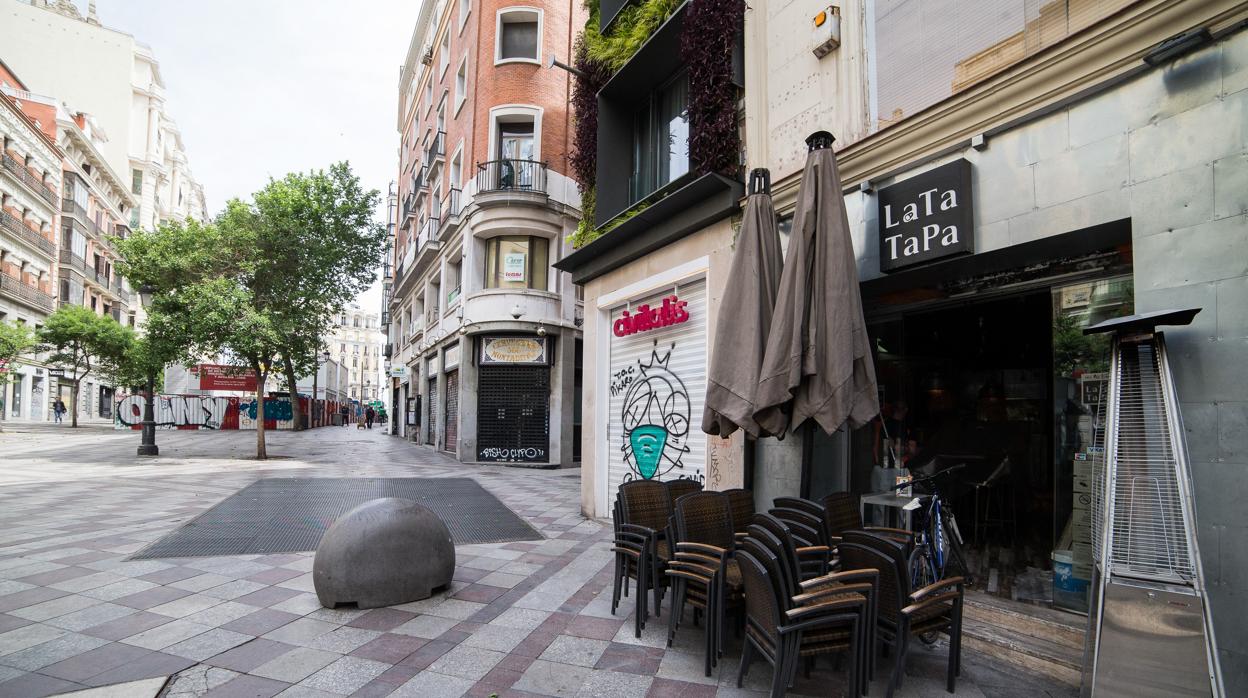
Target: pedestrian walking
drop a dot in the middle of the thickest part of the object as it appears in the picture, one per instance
(369, 415)
(345, 414)
(58, 410)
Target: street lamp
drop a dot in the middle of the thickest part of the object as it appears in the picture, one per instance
(147, 444)
(320, 361)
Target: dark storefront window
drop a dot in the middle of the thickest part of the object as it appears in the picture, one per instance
(513, 413)
(513, 261)
(432, 397)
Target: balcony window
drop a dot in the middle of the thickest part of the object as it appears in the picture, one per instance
(519, 32)
(516, 262)
(136, 182)
(660, 139)
(444, 60)
(465, 6)
(461, 84)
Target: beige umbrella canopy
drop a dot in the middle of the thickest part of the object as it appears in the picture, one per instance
(817, 364)
(742, 331)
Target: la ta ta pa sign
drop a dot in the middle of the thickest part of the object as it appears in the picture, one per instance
(927, 217)
(645, 317)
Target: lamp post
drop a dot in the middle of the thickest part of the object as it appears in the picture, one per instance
(321, 361)
(147, 444)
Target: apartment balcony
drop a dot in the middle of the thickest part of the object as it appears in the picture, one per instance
(76, 210)
(409, 208)
(511, 177)
(450, 208)
(427, 242)
(436, 151)
(388, 351)
(72, 261)
(36, 184)
(14, 226)
(29, 296)
(121, 230)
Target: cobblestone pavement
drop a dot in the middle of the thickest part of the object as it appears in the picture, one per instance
(528, 618)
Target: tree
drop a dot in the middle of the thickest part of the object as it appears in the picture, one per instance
(316, 247)
(15, 340)
(78, 339)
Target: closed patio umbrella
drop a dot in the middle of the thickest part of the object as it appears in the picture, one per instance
(745, 319)
(817, 364)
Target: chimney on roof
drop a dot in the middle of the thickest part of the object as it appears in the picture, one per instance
(92, 17)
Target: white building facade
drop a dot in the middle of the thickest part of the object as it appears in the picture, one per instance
(30, 182)
(356, 343)
(117, 79)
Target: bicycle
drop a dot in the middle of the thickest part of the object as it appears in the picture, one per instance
(936, 539)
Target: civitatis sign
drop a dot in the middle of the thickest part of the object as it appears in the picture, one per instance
(644, 317)
(927, 217)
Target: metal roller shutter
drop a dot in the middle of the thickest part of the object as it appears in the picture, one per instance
(432, 395)
(451, 430)
(513, 413)
(656, 390)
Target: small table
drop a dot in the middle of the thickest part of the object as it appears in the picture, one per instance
(891, 500)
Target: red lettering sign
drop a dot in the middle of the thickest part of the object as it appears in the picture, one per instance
(645, 318)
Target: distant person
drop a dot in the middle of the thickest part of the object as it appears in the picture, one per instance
(369, 415)
(58, 410)
(345, 414)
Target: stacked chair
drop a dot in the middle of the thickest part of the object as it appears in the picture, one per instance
(642, 545)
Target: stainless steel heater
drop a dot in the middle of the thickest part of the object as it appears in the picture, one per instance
(1149, 630)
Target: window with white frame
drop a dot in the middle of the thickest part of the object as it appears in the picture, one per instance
(457, 169)
(444, 60)
(428, 94)
(518, 35)
(461, 84)
(465, 7)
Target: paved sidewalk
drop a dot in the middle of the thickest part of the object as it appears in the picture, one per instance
(528, 618)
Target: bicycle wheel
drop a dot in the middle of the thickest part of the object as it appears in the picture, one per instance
(923, 573)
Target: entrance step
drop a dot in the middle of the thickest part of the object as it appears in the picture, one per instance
(1032, 638)
(1066, 629)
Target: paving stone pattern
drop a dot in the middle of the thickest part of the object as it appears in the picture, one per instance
(521, 618)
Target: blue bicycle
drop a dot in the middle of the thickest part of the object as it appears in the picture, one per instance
(937, 539)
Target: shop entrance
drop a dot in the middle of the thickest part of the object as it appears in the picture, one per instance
(983, 362)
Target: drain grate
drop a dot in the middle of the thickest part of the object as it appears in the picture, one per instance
(282, 515)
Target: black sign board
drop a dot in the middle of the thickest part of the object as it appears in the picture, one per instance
(927, 217)
(56, 372)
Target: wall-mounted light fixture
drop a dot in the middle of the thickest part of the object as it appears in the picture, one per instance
(826, 35)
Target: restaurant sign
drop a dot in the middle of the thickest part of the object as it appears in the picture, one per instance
(927, 217)
(530, 351)
(672, 312)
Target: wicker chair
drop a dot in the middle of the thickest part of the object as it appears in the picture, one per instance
(809, 535)
(695, 579)
(680, 487)
(642, 512)
(702, 525)
(775, 626)
(903, 611)
(741, 501)
(773, 534)
(842, 512)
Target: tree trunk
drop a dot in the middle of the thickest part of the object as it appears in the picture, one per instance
(73, 403)
(291, 381)
(261, 453)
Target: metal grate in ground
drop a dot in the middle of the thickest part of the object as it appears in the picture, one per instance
(282, 515)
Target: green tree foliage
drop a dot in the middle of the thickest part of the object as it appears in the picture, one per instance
(262, 283)
(15, 340)
(78, 340)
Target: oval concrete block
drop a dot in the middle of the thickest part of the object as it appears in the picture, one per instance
(384, 552)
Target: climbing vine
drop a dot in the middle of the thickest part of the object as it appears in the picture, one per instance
(711, 29)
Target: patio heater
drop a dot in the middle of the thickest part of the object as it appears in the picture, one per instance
(1149, 629)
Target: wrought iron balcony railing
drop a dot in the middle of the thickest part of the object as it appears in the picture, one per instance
(512, 175)
(21, 172)
(27, 295)
(18, 229)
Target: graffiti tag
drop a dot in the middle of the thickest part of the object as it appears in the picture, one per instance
(656, 418)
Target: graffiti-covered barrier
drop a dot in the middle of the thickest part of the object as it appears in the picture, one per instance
(209, 412)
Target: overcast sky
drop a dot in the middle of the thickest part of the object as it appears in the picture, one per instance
(260, 88)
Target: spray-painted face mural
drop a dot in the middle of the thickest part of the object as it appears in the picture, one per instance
(656, 419)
